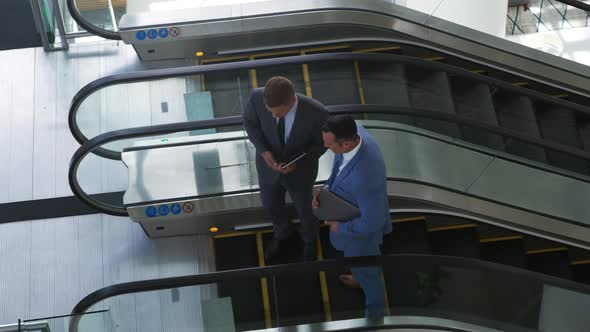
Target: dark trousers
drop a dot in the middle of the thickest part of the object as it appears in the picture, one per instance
(273, 200)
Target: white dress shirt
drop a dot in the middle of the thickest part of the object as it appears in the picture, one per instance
(347, 157)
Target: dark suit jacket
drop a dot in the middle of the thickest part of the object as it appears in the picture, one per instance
(305, 136)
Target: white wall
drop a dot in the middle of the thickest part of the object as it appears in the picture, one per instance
(483, 15)
(570, 44)
(47, 266)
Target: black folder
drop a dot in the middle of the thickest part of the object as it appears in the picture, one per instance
(334, 208)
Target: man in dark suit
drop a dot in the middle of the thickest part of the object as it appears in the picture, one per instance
(282, 125)
(359, 177)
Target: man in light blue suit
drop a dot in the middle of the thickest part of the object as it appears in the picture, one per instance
(359, 177)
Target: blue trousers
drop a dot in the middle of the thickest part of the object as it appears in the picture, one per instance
(370, 280)
(368, 277)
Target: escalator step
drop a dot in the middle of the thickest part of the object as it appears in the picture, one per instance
(473, 100)
(237, 253)
(559, 125)
(581, 272)
(516, 112)
(229, 91)
(508, 251)
(296, 298)
(408, 237)
(431, 91)
(292, 72)
(334, 83)
(455, 241)
(551, 261)
(385, 84)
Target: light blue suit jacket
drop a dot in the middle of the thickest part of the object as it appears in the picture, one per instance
(362, 182)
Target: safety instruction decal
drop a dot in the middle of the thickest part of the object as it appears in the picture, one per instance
(188, 207)
(151, 211)
(175, 209)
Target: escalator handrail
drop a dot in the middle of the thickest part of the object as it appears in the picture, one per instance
(149, 75)
(86, 25)
(122, 134)
(309, 267)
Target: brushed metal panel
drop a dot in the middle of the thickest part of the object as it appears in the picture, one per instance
(66, 261)
(22, 122)
(15, 253)
(5, 126)
(43, 270)
(45, 130)
(68, 86)
(87, 70)
(90, 253)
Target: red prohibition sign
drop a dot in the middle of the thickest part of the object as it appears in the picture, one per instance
(188, 207)
(174, 32)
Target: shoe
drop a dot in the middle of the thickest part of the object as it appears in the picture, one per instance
(310, 253)
(272, 251)
(348, 280)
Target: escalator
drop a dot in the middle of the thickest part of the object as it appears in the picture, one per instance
(425, 292)
(432, 139)
(484, 163)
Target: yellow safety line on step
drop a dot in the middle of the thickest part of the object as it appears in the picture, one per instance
(324, 285)
(560, 96)
(448, 228)
(359, 82)
(263, 282)
(581, 262)
(379, 49)
(305, 69)
(242, 233)
(435, 58)
(223, 59)
(478, 71)
(544, 251)
(400, 220)
(203, 82)
(277, 53)
(387, 309)
(520, 83)
(253, 79)
(502, 238)
(325, 48)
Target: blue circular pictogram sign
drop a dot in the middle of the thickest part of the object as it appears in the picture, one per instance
(163, 33)
(175, 208)
(141, 35)
(152, 33)
(163, 210)
(151, 211)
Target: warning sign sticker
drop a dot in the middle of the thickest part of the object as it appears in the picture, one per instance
(188, 207)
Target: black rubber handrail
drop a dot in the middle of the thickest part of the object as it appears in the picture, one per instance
(122, 134)
(149, 75)
(86, 25)
(403, 261)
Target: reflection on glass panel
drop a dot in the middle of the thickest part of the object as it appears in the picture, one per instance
(101, 13)
(435, 291)
(173, 100)
(93, 321)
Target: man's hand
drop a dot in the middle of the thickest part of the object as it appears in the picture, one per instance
(333, 226)
(289, 169)
(315, 202)
(270, 161)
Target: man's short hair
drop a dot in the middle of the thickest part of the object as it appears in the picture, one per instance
(342, 126)
(278, 91)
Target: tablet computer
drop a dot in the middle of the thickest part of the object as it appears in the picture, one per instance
(292, 161)
(334, 208)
